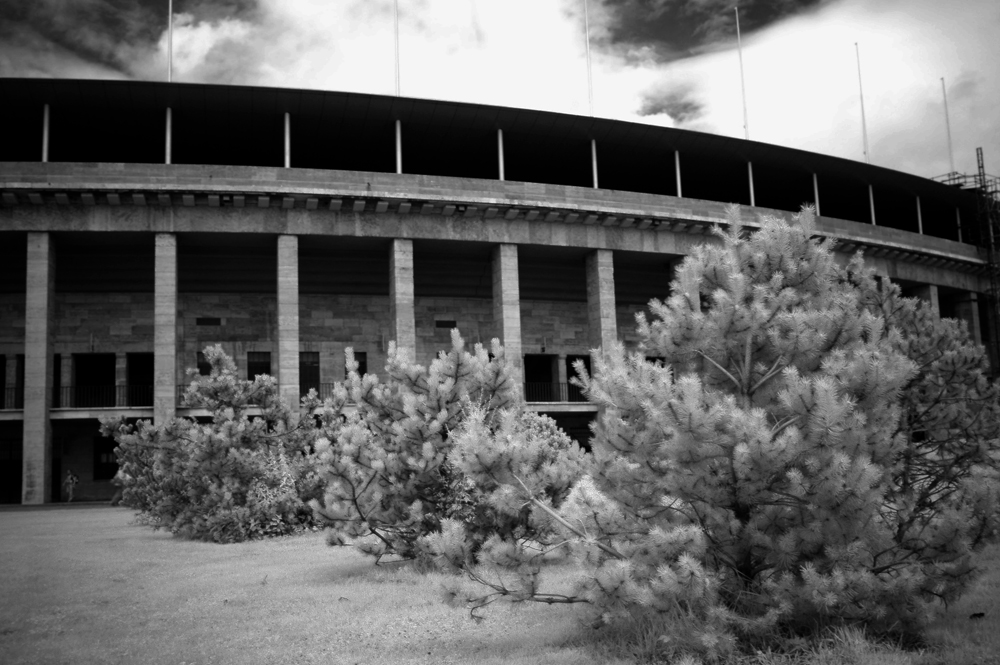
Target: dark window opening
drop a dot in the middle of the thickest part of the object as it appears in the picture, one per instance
(258, 362)
(208, 321)
(308, 372)
(541, 378)
(17, 398)
(204, 367)
(56, 381)
(574, 392)
(576, 426)
(448, 324)
(94, 380)
(140, 379)
(105, 460)
(360, 357)
(11, 462)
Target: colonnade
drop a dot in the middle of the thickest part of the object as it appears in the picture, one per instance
(39, 325)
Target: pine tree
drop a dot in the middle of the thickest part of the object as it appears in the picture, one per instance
(943, 501)
(235, 478)
(746, 481)
(387, 482)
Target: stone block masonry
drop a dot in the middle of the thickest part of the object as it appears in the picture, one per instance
(559, 327)
(247, 323)
(103, 322)
(401, 297)
(36, 481)
(287, 364)
(165, 328)
(601, 317)
(330, 323)
(473, 318)
(506, 304)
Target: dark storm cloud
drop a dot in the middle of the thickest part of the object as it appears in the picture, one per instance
(678, 103)
(103, 32)
(672, 29)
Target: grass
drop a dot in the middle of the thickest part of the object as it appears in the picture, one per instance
(83, 584)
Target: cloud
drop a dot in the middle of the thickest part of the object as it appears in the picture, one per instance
(679, 104)
(802, 82)
(664, 62)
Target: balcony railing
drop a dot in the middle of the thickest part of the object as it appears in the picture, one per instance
(553, 392)
(103, 397)
(106, 397)
(13, 398)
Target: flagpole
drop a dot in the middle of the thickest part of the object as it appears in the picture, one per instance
(864, 125)
(170, 41)
(947, 124)
(395, 20)
(590, 79)
(743, 87)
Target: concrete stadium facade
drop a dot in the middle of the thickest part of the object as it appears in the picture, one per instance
(140, 222)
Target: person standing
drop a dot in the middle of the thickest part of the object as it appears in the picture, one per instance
(69, 484)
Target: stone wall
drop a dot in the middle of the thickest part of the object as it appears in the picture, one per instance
(561, 325)
(247, 323)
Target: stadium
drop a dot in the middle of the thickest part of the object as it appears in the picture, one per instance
(142, 221)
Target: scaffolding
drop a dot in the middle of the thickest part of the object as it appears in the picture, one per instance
(987, 191)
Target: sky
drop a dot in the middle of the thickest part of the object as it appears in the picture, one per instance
(673, 63)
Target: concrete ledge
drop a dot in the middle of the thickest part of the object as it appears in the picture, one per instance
(685, 219)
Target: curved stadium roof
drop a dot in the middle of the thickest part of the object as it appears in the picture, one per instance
(123, 122)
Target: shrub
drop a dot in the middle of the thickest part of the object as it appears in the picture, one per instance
(385, 470)
(233, 479)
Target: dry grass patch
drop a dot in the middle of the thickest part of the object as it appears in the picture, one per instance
(83, 585)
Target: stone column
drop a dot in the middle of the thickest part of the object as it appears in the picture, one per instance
(601, 317)
(929, 293)
(165, 329)
(507, 307)
(288, 320)
(401, 299)
(967, 309)
(36, 484)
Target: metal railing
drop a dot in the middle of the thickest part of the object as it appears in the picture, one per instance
(553, 392)
(102, 397)
(13, 398)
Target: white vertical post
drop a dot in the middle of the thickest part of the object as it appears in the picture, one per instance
(593, 159)
(288, 140)
(590, 78)
(743, 87)
(677, 171)
(399, 147)
(920, 218)
(500, 152)
(170, 42)
(864, 124)
(816, 192)
(45, 133)
(947, 124)
(871, 202)
(753, 200)
(958, 222)
(168, 152)
(395, 23)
